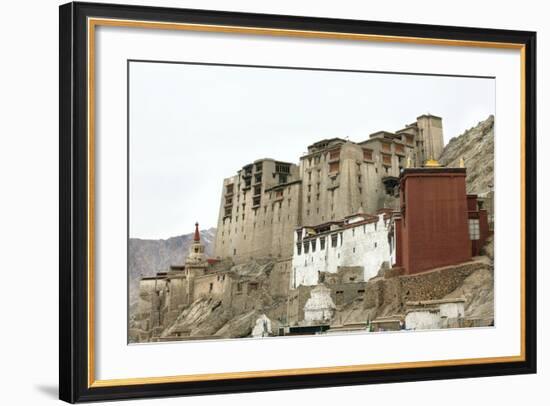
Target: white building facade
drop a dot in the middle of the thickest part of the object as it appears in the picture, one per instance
(359, 240)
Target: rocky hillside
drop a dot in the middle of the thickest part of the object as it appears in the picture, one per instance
(476, 146)
(147, 257)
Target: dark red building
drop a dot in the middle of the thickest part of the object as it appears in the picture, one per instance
(438, 224)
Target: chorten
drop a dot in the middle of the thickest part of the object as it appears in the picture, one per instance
(196, 257)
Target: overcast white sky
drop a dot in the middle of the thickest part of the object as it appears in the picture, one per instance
(191, 126)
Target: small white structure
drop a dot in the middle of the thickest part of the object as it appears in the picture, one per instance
(262, 328)
(423, 319)
(358, 240)
(433, 314)
(319, 307)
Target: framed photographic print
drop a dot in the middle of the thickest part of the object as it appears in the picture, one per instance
(258, 202)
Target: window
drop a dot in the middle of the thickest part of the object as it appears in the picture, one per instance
(341, 238)
(253, 286)
(386, 147)
(322, 242)
(258, 166)
(334, 240)
(313, 245)
(256, 201)
(281, 167)
(257, 190)
(306, 247)
(367, 154)
(386, 159)
(283, 178)
(474, 229)
(299, 248)
(211, 287)
(399, 149)
(229, 189)
(334, 166)
(334, 154)
(258, 177)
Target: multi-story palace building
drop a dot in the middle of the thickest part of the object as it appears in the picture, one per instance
(267, 200)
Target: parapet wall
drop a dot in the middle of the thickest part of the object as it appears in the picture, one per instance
(387, 296)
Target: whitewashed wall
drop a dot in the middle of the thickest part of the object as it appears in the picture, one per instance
(423, 319)
(452, 310)
(365, 245)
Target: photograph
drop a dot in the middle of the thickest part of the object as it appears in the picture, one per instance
(273, 201)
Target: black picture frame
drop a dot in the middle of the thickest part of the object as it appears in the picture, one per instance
(74, 385)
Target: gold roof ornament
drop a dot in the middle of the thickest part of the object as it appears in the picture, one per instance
(432, 163)
(461, 163)
(409, 162)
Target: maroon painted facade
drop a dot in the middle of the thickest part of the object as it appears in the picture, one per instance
(433, 229)
(480, 215)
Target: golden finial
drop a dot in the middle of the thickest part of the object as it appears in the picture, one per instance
(409, 162)
(461, 163)
(432, 163)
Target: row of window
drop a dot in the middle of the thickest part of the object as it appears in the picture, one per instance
(322, 243)
(367, 156)
(334, 240)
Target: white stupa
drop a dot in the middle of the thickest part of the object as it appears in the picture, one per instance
(319, 308)
(262, 328)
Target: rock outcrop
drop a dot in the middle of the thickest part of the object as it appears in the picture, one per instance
(476, 146)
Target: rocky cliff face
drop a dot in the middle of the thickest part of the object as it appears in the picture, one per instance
(476, 146)
(147, 257)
